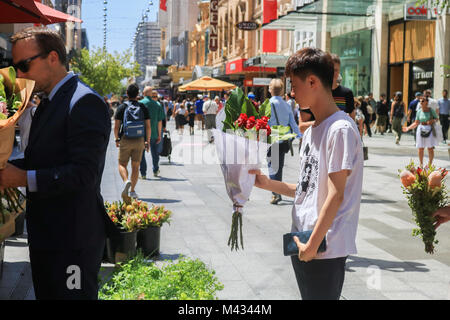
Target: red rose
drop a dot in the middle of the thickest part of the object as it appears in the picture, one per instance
(251, 122)
(265, 119)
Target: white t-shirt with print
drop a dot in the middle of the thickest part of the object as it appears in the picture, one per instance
(332, 146)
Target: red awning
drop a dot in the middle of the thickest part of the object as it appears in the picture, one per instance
(30, 11)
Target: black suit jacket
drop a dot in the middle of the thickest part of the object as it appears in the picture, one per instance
(67, 148)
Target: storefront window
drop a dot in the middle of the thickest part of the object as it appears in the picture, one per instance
(422, 76)
(354, 50)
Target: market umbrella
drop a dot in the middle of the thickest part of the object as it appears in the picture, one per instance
(207, 84)
(29, 11)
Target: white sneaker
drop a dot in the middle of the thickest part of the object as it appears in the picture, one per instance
(134, 195)
(125, 196)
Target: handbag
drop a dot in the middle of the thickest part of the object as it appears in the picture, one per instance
(285, 145)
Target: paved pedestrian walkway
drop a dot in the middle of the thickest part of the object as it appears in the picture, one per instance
(390, 263)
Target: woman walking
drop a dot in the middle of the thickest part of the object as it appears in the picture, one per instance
(426, 117)
(180, 118)
(397, 113)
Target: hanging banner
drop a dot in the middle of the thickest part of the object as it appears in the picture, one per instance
(213, 30)
(163, 5)
(270, 36)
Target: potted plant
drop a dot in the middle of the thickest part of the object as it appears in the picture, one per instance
(149, 234)
(122, 246)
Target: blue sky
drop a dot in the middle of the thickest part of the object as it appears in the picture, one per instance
(123, 18)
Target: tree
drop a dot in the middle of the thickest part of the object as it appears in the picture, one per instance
(103, 71)
(437, 3)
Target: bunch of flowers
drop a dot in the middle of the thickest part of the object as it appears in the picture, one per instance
(245, 129)
(426, 193)
(14, 96)
(136, 215)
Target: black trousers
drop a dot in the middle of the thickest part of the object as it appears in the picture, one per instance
(66, 275)
(320, 279)
(443, 118)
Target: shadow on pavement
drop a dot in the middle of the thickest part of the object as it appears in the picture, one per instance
(392, 266)
(166, 179)
(377, 201)
(159, 200)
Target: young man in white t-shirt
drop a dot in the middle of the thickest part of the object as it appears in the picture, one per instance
(328, 193)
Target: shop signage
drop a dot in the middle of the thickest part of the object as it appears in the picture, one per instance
(213, 30)
(252, 62)
(248, 83)
(261, 81)
(413, 12)
(247, 25)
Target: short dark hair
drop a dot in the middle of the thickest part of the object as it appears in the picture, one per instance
(132, 91)
(47, 40)
(335, 58)
(309, 61)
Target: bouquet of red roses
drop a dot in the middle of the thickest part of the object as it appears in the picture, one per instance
(242, 145)
(426, 193)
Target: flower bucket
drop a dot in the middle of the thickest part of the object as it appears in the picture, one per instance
(121, 247)
(2, 256)
(148, 240)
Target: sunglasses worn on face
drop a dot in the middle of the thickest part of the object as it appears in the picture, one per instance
(24, 65)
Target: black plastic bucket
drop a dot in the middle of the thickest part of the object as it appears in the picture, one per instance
(148, 240)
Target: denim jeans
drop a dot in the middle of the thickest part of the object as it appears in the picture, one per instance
(155, 149)
(276, 162)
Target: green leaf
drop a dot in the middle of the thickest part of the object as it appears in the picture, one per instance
(249, 108)
(265, 109)
(233, 107)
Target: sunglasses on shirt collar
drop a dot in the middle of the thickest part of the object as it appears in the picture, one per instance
(24, 65)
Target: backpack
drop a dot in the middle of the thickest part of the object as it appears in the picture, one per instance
(133, 121)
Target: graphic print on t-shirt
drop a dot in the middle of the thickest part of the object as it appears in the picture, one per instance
(309, 175)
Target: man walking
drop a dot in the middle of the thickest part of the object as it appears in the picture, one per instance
(62, 170)
(382, 114)
(210, 110)
(412, 111)
(157, 116)
(131, 144)
(343, 96)
(328, 193)
(199, 116)
(444, 109)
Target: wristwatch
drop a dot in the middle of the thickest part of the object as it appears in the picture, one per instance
(117, 140)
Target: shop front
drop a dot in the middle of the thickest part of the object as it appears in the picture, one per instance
(411, 57)
(355, 52)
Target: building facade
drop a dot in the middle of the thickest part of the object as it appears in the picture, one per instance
(384, 46)
(147, 49)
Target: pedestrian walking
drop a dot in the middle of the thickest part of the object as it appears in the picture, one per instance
(372, 110)
(382, 114)
(396, 116)
(343, 97)
(157, 117)
(412, 111)
(281, 115)
(359, 117)
(426, 138)
(131, 143)
(62, 169)
(328, 195)
(210, 109)
(191, 120)
(444, 110)
(199, 116)
(364, 108)
(180, 115)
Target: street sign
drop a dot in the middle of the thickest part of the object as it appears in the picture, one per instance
(247, 25)
(261, 81)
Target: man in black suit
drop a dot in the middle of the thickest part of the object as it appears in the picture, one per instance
(62, 169)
